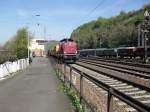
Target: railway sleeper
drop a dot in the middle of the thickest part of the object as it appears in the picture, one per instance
(132, 91)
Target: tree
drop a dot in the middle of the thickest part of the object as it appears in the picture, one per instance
(120, 30)
(10, 44)
(19, 43)
(1, 46)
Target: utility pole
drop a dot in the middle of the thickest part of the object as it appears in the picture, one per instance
(100, 42)
(45, 32)
(145, 28)
(28, 45)
(139, 35)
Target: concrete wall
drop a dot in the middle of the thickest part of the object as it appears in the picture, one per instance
(8, 68)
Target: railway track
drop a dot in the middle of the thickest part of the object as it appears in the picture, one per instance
(122, 82)
(136, 71)
(118, 64)
(128, 62)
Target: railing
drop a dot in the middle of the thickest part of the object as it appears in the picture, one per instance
(8, 68)
(112, 92)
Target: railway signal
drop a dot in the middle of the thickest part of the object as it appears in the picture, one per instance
(145, 29)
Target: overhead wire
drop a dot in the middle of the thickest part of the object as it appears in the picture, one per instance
(91, 11)
(86, 16)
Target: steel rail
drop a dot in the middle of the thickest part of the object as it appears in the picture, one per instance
(119, 61)
(147, 88)
(120, 95)
(144, 70)
(118, 68)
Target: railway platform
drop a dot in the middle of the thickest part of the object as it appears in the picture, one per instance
(34, 90)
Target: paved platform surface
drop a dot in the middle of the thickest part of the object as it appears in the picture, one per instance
(35, 90)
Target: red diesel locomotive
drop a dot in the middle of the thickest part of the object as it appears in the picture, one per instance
(66, 50)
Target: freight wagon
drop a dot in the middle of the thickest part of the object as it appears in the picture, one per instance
(122, 52)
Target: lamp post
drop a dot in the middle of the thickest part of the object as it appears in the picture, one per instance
(44, 27)
(28, 39)
(28, 45)
(28, 56)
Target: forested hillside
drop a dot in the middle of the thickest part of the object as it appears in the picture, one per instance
(120, 30)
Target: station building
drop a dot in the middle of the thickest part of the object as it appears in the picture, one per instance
(37, 47)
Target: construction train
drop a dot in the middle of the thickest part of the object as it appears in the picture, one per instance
(66, 50)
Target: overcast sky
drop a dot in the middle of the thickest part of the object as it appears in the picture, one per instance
(59, 17)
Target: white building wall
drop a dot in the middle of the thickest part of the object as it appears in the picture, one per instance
(34, 45)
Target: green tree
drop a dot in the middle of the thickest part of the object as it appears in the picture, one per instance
(18, 44)
(120, 30)
(21, 41)
(10, 45)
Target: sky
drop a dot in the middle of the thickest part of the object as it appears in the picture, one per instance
(58, 17)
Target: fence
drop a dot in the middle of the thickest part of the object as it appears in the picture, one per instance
(8, 68)
(111, 91)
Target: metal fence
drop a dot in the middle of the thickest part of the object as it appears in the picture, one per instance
(112, 92)
(8, 68)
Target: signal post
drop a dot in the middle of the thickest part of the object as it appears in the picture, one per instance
(145, 29)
